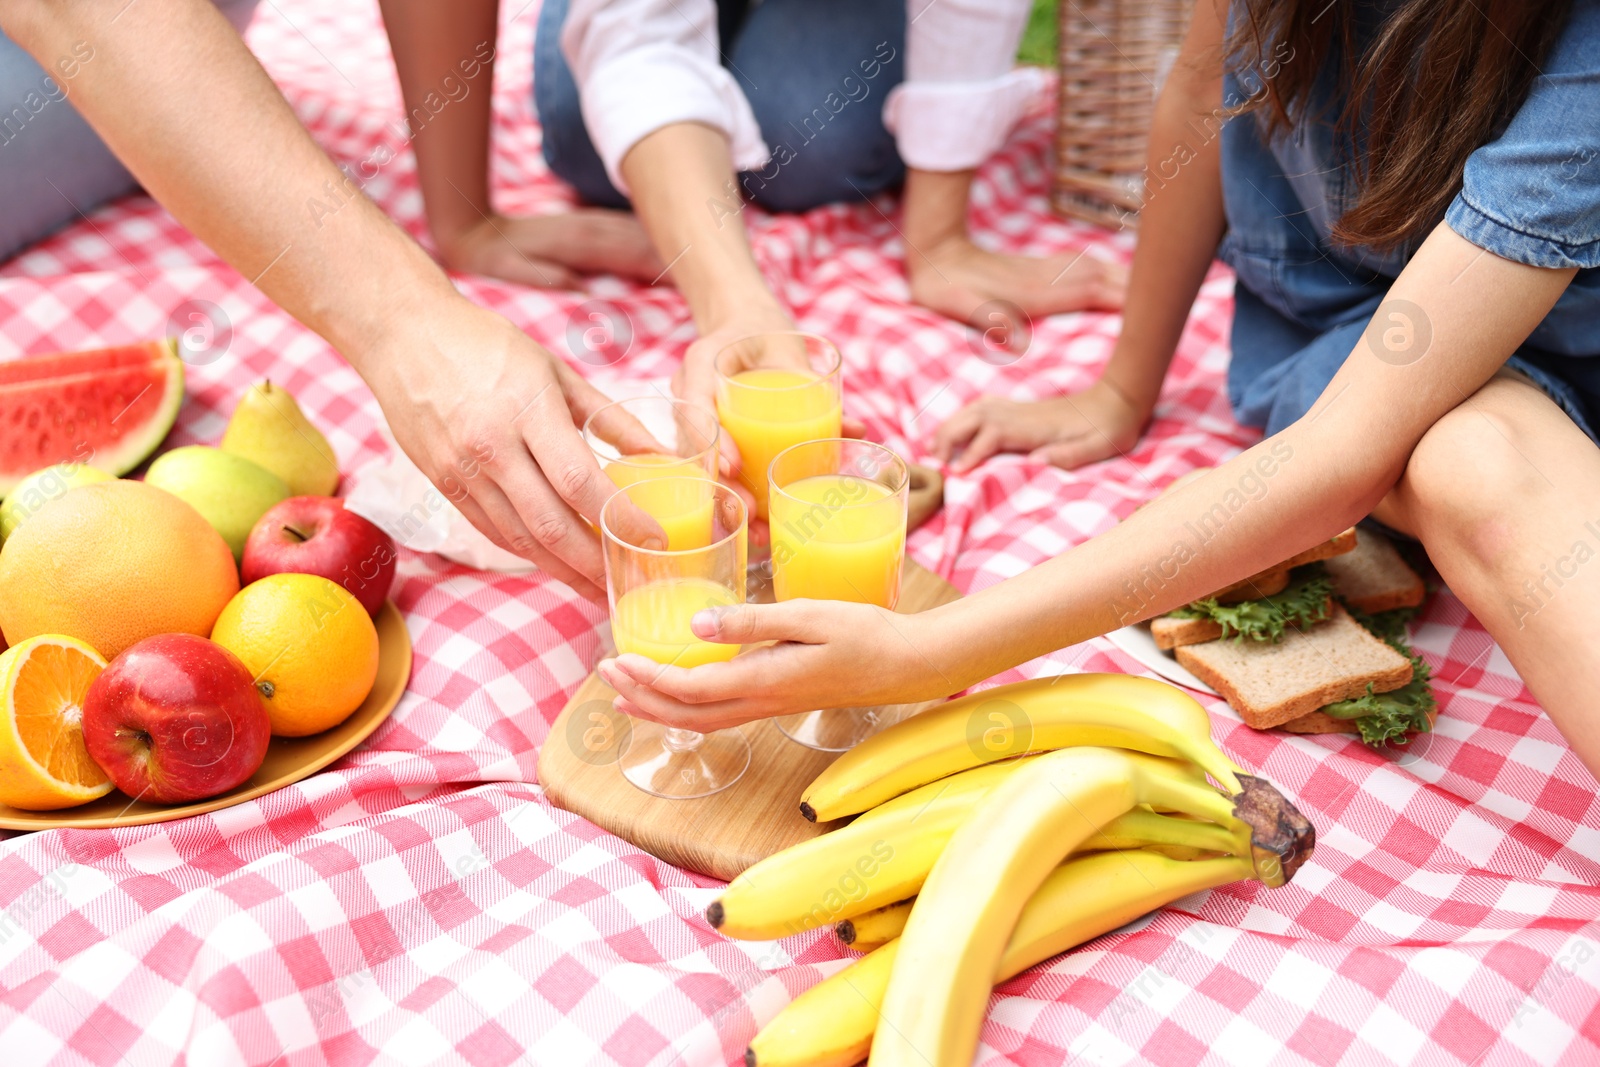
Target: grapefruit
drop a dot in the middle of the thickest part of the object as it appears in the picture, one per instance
(112, 564)
(109, 408)
(41, 487)
(44, 764)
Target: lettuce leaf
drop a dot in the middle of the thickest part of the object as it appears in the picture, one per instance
(1388, 718)
(1304, 602)
(1387, 625)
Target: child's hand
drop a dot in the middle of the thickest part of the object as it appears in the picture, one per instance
(829, 654)
(1068, 431)
(551, 251)
(957, 278)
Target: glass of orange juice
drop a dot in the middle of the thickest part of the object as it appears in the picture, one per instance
(775, 390)
(654, 593)
(656, 439)
(837, 511)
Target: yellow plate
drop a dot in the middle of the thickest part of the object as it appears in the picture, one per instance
(289, 759)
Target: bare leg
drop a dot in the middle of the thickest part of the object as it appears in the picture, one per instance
(1504, 492)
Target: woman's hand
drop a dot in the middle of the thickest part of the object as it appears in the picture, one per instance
(829, 654)
(957, 278)
(1068, 431)
(696, 379)
(490, 417)
(551, 251)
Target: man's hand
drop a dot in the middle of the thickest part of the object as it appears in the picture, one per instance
(957, 278)
(1068, 431)
(489, 416)
(551, 251)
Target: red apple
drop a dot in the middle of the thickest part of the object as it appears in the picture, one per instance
(316, 535)
(176, 718)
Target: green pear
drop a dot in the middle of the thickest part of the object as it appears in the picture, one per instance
(229, 491)
(269, 428)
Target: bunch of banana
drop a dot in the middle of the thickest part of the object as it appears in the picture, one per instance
(975, 857)
(832, 1023)
(1110, 710)
(886, 854)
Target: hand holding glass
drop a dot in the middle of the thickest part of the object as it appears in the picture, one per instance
(654, 593)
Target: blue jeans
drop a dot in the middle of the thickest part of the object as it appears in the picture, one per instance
(801, 50)
(53, 167)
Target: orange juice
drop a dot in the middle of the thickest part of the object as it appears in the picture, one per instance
(653, 621)
(682, 509)
(838, 537)
(766, 410)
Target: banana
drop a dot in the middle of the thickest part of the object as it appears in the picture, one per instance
(884, 855)
(1185, 839)
(879, 858)
(1110, 710)
(879, 926)
(1140, 828)
(832, 1023)
(969, 905)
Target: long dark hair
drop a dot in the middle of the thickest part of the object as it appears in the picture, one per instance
(1440, 78)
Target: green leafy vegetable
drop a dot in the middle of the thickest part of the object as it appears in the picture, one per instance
(1385, 718)
(1388, 625)
(1302, 603)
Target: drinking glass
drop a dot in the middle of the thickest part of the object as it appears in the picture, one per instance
(654, 592)
(838, 520)
(645, 438)
(775, 390)
(657, 439)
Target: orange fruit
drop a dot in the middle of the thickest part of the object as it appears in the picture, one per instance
(43, 762)
(112, 564)
(310, 646)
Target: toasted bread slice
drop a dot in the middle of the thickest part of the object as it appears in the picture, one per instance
(1320, 722)
(1256, 586)
(1268, 684)
(1374, 578)
(1252, 588)
(1337, 545)
(1171, 632)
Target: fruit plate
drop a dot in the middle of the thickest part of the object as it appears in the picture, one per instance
(289, 759)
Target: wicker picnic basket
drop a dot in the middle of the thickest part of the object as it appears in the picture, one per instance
(1114, 55)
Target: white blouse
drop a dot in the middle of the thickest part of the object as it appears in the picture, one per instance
(644, 64)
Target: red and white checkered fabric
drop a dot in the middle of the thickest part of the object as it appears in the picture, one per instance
(423, 903)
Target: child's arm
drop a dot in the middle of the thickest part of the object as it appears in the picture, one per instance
(444, 55)
(1179, 230)
(1296, 488)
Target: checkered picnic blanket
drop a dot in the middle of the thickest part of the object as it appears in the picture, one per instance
(422, 902)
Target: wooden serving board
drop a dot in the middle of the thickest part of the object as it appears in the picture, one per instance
(724, 833)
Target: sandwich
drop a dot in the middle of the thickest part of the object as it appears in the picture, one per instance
(1315, 644)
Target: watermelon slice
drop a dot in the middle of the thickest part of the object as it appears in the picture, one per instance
(110, 408)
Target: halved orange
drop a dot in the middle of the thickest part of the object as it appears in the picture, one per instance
(43, 762)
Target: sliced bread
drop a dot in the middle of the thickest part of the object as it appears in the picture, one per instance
(1255, 586)
(1374, 578)
(1270, 684)
(1170, 631)
(1320, 722)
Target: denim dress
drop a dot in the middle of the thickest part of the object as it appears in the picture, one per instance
(1531, 195)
